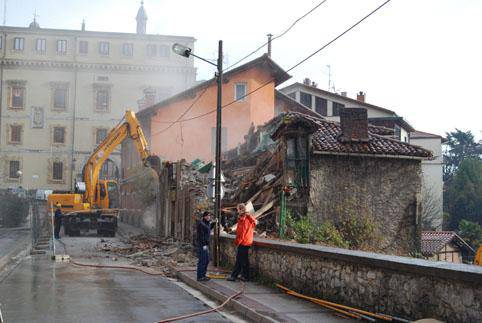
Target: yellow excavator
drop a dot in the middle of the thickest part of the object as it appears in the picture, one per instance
(478, 257)
(95, 203)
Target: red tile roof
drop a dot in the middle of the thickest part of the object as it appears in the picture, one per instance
(326, 133)
(434, 241)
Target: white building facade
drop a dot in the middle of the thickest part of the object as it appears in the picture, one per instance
(61, 91)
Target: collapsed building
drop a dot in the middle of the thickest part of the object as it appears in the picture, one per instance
(331, 171)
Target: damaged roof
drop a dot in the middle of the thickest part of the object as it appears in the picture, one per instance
(325, 138)
(434, 241)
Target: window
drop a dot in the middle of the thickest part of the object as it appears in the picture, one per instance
(41, 45)
(297, 160)
(100, 135)
(224, 139)
(17, 97)
(321, 106)
(102, 98)
(1, 41)
(60, 98)
(57, 170)
(13, 169)
(59, 135)
(18, 43)
(305, 99)
(240, 91)
(397, 132)
(104, 48)
(61, 47)
(164, 51)
(151, 50)
(15, 134)
(128, 49)
(83, 47)
(336, 109)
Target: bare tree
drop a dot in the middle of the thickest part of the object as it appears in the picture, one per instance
(431, 210)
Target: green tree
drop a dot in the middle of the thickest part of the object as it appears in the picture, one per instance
(471, 232)
(459, 146)
(463, 197)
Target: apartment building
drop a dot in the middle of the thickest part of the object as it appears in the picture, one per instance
(61, 91)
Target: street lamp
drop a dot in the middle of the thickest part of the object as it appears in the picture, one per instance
(186, 52)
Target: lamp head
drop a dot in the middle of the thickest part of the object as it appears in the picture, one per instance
(181, 50)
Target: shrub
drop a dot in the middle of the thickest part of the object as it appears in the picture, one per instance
(329, 234)
(358, 230)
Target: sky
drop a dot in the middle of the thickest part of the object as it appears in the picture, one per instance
(420, 58)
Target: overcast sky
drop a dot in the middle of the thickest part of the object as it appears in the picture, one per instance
(420, 58)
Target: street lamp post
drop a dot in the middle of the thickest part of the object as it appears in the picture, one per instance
(186, 52)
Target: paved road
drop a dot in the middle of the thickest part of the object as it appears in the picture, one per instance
(40, 290)
(12, 241)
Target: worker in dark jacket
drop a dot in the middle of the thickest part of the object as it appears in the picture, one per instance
(244, 241)
(57, 221)
(203, 234)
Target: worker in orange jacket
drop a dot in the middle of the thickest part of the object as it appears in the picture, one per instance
(244, 240)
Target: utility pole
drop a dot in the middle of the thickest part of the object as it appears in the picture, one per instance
(269, 44)
(217, 176)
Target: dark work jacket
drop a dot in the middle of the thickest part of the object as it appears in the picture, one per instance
(58, 214)
(203, 233)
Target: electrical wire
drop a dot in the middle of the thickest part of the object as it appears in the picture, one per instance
(277, 36)
(242, 59)
(291, 68)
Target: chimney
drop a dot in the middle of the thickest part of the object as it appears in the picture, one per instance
(269, 44)
(360, 96)
(307, 81)
(354, 125)
(83, 25)
(343, 93)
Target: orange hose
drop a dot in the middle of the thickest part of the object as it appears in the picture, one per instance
(177, 318)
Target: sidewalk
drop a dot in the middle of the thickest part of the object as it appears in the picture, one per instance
(259, 303)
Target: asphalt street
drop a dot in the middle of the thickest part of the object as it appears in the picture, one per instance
(41, 290)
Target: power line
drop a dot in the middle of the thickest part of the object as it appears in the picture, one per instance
(291, 68)
(278, 36)
(258, 48)
(183, 114)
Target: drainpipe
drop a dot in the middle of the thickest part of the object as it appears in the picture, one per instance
(74, 107)
(4, 38)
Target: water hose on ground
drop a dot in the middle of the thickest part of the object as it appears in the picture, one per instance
(172, 319)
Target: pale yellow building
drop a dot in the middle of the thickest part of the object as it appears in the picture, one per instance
(62, 90)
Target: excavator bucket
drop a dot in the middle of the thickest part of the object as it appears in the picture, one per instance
(154, 162)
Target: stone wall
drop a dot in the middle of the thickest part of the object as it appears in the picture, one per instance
(404, 287)
(385, 190)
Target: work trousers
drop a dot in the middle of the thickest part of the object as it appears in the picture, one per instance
(202, 263)
(242, 263)
(57, 225)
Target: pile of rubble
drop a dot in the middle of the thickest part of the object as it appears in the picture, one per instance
(147, 251)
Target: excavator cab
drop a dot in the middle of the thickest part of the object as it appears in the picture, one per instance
(107, 194)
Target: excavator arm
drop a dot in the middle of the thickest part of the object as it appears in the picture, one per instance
(129, 127)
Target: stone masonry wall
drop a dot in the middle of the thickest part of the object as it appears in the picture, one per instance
(384, 189)
(404, 287)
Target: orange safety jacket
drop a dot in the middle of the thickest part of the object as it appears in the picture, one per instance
(245, 230)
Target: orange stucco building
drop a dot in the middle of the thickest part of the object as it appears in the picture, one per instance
(193, 135)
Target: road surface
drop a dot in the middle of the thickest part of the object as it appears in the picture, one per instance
(40, 290)
(12, 242)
